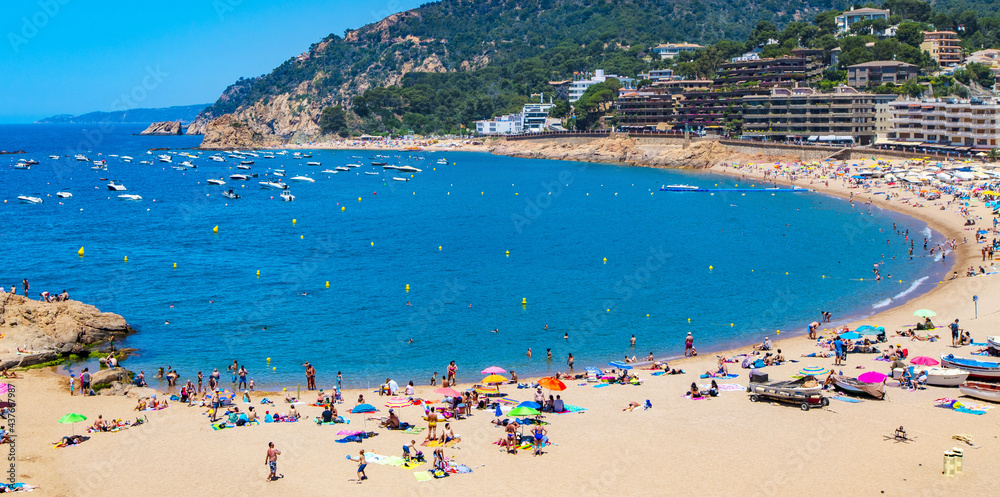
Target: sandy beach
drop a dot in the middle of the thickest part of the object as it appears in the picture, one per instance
(724, 445)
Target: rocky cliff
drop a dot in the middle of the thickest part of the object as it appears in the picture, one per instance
(46, 330)
(228, 132)
(621, 148)
(163, 128)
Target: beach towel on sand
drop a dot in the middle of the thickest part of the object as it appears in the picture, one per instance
(728, 376)
(423, 476)
(413, 430)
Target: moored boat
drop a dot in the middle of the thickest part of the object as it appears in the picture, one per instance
(980, 390)
(976, 368)
(852, 385)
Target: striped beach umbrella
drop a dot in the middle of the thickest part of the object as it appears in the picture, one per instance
(813, 371)
(396, 402)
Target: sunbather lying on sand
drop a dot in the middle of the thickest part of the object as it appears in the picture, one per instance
(632, 406)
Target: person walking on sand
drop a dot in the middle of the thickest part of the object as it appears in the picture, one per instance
(689, 346)
(271, 460)
(362, 462)
(955, 333)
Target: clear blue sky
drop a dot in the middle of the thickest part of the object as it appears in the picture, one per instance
(76, 56)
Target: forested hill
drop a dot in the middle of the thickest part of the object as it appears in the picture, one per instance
(453, 61)
(185, 114)
(462, 35)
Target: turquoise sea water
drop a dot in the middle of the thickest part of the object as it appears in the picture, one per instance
(446, 234)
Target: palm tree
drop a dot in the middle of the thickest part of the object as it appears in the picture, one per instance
(993, 154)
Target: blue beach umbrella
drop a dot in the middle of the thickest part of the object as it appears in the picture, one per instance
(850, 335)
(363, 408)
(863, 328)
(813, 371)
(529, 404)
(619, 365)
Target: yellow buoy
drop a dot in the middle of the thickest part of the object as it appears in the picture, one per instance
(710, 268)
(126, 258)
(359, 199)
(258, 273)
(407, 288)
(524, 301)
(328, 284)
(609, 310)
(731, 325)
(778, 332)
(508, 253)
(373, 244)
(294, 221)
(605, 260)
(342, 209)
(80, 252)
(269, 360)
(689, 320)
(215, 229)
(301, 237)
(274, 368)
(440, 247)
(175, 265)
(647, 315)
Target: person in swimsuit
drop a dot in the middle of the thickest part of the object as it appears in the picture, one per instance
(539, 438)
(512, 441)
(271, 460)
(432, 420)
(362, 462)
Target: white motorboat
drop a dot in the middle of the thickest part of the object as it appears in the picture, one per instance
(243, 166)
(213, 181)
(353, 165)
(268, 156)
(27, 199)
(307, 156)
(239, 177)
(342, 168)
(246, 163)
(127, 158)
(287, 196)
(329, 171)
(179, 168)
(946, 377)
(274, 185)
(313, 163)
(188, 163)
(116, 187)
(22, 165)
(408, 169)
(443, 162)
(397, 178)
(216, 158)
(305, 179)
(81, 158)
(980, 390)
(130, 197)
(54, 157)
(370, 173)
(279, 172)
(387, 166)
(64, 194)
(165, 158)
(231, 194)
(679, 187)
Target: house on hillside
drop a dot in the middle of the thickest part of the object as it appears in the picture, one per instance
(879, 72)
(670, 50)
(847, 19)
(944, 47)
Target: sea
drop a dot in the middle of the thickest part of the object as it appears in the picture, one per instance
(475, 259)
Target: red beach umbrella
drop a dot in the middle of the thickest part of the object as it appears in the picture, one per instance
(552, 384)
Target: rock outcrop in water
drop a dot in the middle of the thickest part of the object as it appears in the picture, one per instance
(49, 330)
(164, 128)
(227, 132)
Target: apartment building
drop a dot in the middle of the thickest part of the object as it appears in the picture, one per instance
(879, 72)
(944, 47)
(945, 124)
(803, 66)
(670, 50)
(795, 114)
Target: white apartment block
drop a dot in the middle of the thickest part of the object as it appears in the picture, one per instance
(961, 125)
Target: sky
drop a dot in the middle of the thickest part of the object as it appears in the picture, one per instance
(76, 56)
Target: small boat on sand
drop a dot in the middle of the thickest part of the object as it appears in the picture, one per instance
(980, 390)
(976, 368)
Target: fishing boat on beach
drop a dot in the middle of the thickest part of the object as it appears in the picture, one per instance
(855, 386)
(976, 369)
(980, 390)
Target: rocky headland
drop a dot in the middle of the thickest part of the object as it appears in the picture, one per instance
(36, 332)
(163, 128)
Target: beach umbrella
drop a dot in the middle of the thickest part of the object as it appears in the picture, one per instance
(864, 328)
(363, 408)
(872, 377)
(494, 378)
(813, 371)
(72, 418)
(521, 412)
(448, 392)
(924, 313)
(494, 370)
(924, 361)
(530, 405)
(397, 402)
(850, 335)
(619, 365)
(552, 384)
(488, 390)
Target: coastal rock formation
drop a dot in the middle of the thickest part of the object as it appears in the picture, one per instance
(47, 329)
(621, 148)
(163, 128)
(197, 127)
(228, 132)
(109, 376)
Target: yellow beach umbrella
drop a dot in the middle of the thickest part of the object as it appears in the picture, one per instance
(494, 378)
